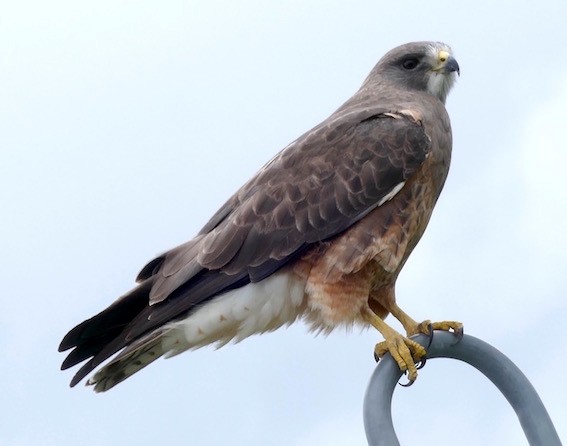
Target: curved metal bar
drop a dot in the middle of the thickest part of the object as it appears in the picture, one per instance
(503, 373)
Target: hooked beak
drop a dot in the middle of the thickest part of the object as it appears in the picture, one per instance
(447, 63)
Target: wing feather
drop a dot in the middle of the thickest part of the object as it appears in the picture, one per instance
(365, 161)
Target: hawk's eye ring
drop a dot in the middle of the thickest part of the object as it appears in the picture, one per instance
(410, 63)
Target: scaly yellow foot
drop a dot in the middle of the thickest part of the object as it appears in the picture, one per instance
(404, 351)
(427, 328)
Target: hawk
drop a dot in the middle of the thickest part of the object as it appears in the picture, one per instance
(320, 233)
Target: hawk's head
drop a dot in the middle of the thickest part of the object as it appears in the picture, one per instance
(423, 66)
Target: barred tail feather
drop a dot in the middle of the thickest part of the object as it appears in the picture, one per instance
(132, 359)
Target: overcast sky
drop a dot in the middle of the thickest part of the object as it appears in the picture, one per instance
(125, 124)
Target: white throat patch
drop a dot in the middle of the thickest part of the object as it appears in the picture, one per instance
(440, 84)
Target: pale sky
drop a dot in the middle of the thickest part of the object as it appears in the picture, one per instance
(125, 124)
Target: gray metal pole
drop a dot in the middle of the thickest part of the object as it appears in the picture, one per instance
(503, 373)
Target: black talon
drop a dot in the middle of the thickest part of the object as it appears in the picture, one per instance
(421, 364)
(430, 330)
(408, 384)
(376, 357)
(459, 334)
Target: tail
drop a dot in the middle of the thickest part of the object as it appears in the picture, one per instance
(96, 338)
(141, 330)
(131, 360)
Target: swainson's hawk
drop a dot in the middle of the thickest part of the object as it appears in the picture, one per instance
(321, 233)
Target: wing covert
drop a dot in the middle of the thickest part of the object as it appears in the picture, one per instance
(316, 188)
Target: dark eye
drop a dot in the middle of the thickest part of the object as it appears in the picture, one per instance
(410, 63)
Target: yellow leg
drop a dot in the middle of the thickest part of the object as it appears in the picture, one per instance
(404, 351)
(426, 327)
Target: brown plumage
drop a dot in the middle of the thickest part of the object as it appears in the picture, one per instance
(321, 232)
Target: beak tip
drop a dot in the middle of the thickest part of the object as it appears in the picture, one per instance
(452, 65)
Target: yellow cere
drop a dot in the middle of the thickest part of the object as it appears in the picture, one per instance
(443, 56)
